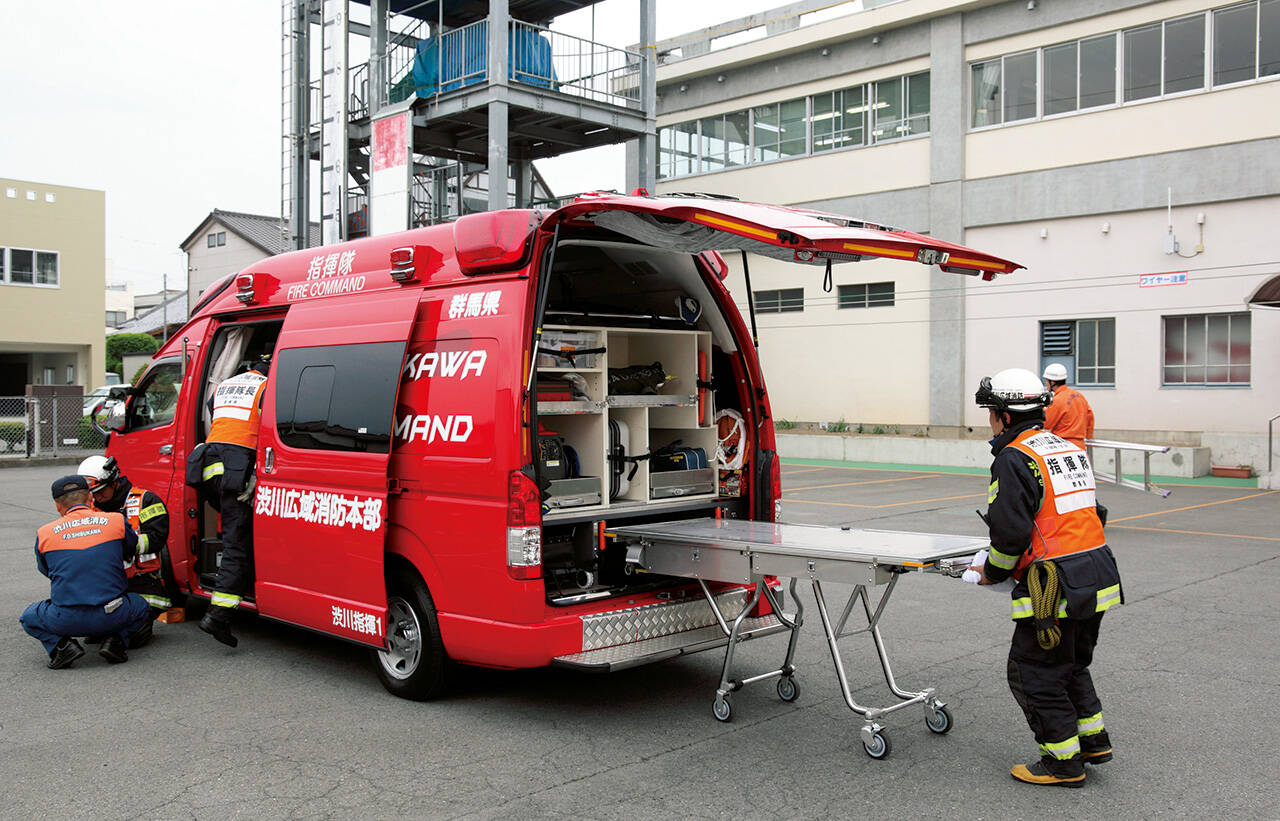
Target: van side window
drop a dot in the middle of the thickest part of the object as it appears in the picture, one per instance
(156, 397)
(338, 397)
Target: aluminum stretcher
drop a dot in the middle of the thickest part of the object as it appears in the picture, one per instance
(735, 550)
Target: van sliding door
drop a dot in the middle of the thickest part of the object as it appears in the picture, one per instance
(320, 510)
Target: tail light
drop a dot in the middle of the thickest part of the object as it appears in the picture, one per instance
(402, 268)
(244, 288)
(524, 527)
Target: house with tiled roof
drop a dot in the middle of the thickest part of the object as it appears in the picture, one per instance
(227, 241)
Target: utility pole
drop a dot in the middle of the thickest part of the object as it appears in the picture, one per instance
(164, 305)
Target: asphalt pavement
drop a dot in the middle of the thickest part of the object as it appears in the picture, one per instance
(296, 725)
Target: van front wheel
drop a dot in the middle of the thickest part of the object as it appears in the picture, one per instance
(413, 665)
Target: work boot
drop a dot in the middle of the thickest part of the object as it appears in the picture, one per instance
(113, 650)
(219, 629)
(140, 636)
(1096, 748)
(67, 651)
(1050, 772)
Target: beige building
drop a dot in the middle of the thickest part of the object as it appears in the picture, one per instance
(1124, 151)
(52, 270)
(225, 242)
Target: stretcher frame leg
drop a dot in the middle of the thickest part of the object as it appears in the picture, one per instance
(872, 730)
(720, 707)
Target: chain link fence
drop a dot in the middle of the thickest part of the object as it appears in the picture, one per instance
(43, 426)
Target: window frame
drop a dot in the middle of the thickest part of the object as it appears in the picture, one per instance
(138, 395)
(1097, 365)
(287, 393)
(6, 267)
(668, 159)
(858, 295)
(1204, 383)
(1120, 100)
(773, 301)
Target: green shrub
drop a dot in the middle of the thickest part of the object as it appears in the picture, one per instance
(118, 344)
(784, 424)
(13, 437)
(89, 435)
(838, 427)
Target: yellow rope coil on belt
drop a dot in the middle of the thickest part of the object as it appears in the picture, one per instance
(1044, 604)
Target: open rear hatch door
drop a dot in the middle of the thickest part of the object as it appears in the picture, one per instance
(696, 224)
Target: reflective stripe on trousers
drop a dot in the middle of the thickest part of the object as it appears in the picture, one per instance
(1062, 750)
(1091, 725)
(224, 600)
(210, 471)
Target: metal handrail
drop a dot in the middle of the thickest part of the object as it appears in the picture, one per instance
(1117, 478)
(1270, 450)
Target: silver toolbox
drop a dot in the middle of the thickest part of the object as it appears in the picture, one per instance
(669, 484)
(579, 492)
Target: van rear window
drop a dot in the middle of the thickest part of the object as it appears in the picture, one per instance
(338, 397)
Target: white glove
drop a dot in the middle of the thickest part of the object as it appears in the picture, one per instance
(248, 490)
(975, 577)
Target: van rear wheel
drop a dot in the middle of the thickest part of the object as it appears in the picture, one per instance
(414, 664)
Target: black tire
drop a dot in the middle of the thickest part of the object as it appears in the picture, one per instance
(879, 748)
(721, 709)
(939, 722)
(415, 666)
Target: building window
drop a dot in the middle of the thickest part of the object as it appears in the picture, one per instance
(847, 118)
(71, 374)
(866, 295)
(1206, 349)
(1085, 347)
(46, 268)
(222, 238)
(22, 266)
(115, 319)
(784, 301)
(1184, 54)
(49, 375)
(1157, 59)
(217, 239)
(1096, 352)
(212, 240)
(49, 196)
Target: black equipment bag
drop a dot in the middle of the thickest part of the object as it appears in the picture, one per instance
(552, 461)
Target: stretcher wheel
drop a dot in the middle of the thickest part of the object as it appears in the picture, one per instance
(879, 747)
(939, 721)
(721, 710)
(788, 689)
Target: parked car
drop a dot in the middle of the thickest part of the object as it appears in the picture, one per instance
(91, 399)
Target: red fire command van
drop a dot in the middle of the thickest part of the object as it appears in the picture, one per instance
(455, 412)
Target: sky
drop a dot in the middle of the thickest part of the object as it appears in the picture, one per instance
(173, 109)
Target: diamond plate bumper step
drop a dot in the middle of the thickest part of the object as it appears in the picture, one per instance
(648, 651)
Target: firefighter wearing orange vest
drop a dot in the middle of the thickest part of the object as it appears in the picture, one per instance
(82, 553)
(226, 475)
(147, 515)
(1069, 414)
(1046, 532)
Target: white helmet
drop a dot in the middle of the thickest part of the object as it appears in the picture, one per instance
(1014, 389)
(1055, 372)
(99, 470)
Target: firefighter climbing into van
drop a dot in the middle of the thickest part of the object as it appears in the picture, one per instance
(147, 515)
(223, 468)
(1046, 533)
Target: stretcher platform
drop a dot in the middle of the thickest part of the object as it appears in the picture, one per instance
(735, 550)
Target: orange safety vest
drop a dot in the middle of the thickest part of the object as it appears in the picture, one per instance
(1067, 521)
(147, 559)
(237, 410)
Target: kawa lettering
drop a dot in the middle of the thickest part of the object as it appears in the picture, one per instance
(447, 364)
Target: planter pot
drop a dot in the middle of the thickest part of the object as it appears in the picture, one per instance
(1231, 472)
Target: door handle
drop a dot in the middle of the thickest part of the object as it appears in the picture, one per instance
(166, 449)
(268, 460)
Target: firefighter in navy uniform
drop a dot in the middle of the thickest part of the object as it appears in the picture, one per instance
(223, 467)
(82, 553)
(147, 515)
(1046, 532)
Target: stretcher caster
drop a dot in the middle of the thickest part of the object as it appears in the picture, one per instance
(938, 720)
(788, 689)
(721, 710)
(878, 744)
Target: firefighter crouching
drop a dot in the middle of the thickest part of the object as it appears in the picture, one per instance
(147, 515)
(82, 553)
(1046, 532)
(223, 468)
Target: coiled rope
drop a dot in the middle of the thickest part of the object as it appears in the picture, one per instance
(1044, 603)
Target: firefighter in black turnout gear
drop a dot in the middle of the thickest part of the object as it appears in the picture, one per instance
(223, 468)
(1046, 532)
(148, 570)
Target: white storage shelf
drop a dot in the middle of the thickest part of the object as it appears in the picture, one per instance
(674, 413)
